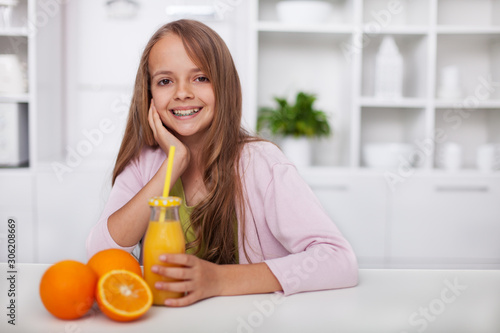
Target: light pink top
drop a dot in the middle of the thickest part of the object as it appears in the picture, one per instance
(286, 226)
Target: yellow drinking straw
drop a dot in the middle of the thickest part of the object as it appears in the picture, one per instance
(168, 177)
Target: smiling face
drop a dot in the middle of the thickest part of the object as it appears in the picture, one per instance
(182, 93)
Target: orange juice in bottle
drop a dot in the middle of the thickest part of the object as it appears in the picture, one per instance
(164, 235)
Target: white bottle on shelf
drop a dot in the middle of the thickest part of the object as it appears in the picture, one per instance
(450, 88)
(389, 70)
(450, 156)
(488, 158)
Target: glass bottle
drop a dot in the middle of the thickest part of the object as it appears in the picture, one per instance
(164, 235)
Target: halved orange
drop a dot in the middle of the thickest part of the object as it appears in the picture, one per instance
(123, 295)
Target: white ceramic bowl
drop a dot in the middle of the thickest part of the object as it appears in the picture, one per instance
(386, 155)
(303, 12)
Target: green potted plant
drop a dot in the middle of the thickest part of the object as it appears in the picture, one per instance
(296, 125)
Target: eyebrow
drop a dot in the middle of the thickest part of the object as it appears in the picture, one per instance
(164, 72)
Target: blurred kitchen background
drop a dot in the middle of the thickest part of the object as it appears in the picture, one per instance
(411, 90)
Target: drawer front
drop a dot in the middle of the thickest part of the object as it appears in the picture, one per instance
(447, 220)
(16, 189)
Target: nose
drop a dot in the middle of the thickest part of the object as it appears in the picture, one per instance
(183, 91)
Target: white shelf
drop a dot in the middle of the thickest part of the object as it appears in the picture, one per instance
(40, 56)
(461, 30)
(397, 30)
(315, 28)
(399, 103)
(333, 175)
(14, 32)
(23, 170)
(430, 35)
(488, 104)
(14, 98)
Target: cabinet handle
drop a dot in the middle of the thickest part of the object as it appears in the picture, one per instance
(464, 188)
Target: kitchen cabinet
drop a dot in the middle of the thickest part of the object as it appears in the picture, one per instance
(357, 204)
(16, 97)
(445, 221)
(34, 37)
(336, 61)
(20, 208)
(66, 211)
(431, 220)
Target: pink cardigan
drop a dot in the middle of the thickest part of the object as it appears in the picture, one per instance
(286, 226)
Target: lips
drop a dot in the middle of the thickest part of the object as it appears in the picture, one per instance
(183, 112)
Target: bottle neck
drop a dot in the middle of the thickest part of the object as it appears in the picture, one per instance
(164, 214)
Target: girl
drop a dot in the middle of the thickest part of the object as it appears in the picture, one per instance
(243, 201)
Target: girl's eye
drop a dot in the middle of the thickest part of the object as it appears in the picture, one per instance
(202, 79)
(164, 82)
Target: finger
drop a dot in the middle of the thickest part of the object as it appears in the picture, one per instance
(179, 258)
(175, 286)
(158, 123)
(182, 301)
(156, 115)
(178, 273)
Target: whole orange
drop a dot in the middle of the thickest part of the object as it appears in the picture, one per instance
(67, 289)
(111, 259)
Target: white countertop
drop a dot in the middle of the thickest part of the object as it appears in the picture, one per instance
(385, 301)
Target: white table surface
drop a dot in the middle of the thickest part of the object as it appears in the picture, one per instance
(385, 301)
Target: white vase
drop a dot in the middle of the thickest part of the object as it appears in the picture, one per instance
(297, 150)
(389, 70)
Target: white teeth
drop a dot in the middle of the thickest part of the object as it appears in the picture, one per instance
(184, 113)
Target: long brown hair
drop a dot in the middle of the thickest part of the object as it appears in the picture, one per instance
(213, 219)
